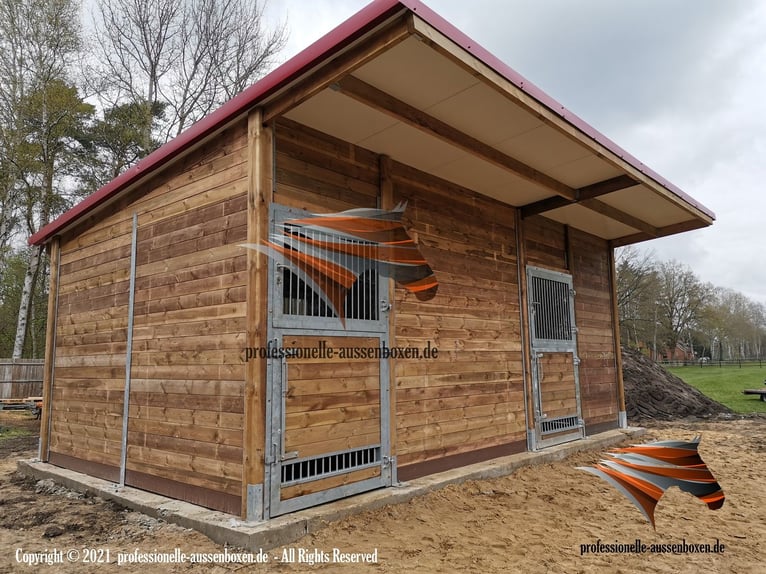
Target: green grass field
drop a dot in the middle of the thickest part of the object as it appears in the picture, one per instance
(725, 384)
(8, 432)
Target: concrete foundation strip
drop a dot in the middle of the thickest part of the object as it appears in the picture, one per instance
(226, 529)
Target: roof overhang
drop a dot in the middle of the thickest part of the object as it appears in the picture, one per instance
(400, 81)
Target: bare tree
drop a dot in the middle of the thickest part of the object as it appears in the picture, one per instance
(187, 56)
(680, 300)
(635, 291)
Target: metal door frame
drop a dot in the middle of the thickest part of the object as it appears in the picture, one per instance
(281, 325)
(538, 347)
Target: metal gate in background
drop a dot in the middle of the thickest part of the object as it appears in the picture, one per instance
(555, 373)
(328, 404)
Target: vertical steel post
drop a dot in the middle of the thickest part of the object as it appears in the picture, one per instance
(129, 350)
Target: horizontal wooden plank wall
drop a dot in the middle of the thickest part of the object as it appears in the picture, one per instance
(89, 374)
(547, 247)
(332, 404)
(320, 173)
(471, 398)
(546, 243)
(557, 387)
(185, 424)
(595, 339)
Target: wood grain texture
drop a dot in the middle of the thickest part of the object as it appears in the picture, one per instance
(321, 409)
(319, 173)
(187, 361)
(471, 396)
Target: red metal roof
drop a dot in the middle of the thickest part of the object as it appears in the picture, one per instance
(340, 37)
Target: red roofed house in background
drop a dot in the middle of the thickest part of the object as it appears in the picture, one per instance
(515, 204)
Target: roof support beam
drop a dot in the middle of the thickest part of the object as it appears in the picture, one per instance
(316, 81)
(618, 215)
(587, 192)
(373, 97)
(606, 186)
(660, 232)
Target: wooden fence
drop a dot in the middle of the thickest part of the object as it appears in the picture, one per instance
(21, 378)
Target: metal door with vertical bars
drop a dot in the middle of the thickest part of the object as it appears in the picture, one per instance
(328, 405)
(555, 373)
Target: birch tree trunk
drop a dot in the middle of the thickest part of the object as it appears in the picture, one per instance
(30, 279)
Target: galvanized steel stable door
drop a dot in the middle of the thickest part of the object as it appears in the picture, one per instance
(328, 402)
(555, 373)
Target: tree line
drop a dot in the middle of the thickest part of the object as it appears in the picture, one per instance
(84, 96)
(669, 313)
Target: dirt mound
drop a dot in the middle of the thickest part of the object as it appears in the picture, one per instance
(652, 393)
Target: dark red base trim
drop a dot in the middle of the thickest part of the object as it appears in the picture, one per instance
(97, 469)
(600, 427)
(427, 467)
(194, 494)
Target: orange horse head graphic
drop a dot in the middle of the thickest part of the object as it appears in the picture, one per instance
(644, 472)
(331, 250)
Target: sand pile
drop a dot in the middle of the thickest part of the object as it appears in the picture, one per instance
(652, 393)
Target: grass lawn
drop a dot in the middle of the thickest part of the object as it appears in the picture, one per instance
(725, 384)
(9, 432)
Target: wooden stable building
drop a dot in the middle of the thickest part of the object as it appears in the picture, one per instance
(515, 203)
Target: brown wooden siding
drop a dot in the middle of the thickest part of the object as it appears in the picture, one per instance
(471, 397)
(89, 375)
(552, 245)
(332, 404)
(185, 418)
(320, 173)
(546, 243)
(595, 338)
(557, 384)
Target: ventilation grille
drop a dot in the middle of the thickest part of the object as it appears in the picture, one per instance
(328, 465)
(552, 319)
(360, 301)
(559, 424)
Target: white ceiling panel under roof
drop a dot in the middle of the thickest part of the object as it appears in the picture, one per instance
(644, 204)
(543, 148)
(333, 113)
(482, 113)
(421, 103)
(490, 180)
(579, 216)
(584, 171)
(413, 72)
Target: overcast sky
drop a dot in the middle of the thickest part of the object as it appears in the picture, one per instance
(680, 84)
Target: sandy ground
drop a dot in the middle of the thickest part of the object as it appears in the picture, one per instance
(534, 521)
